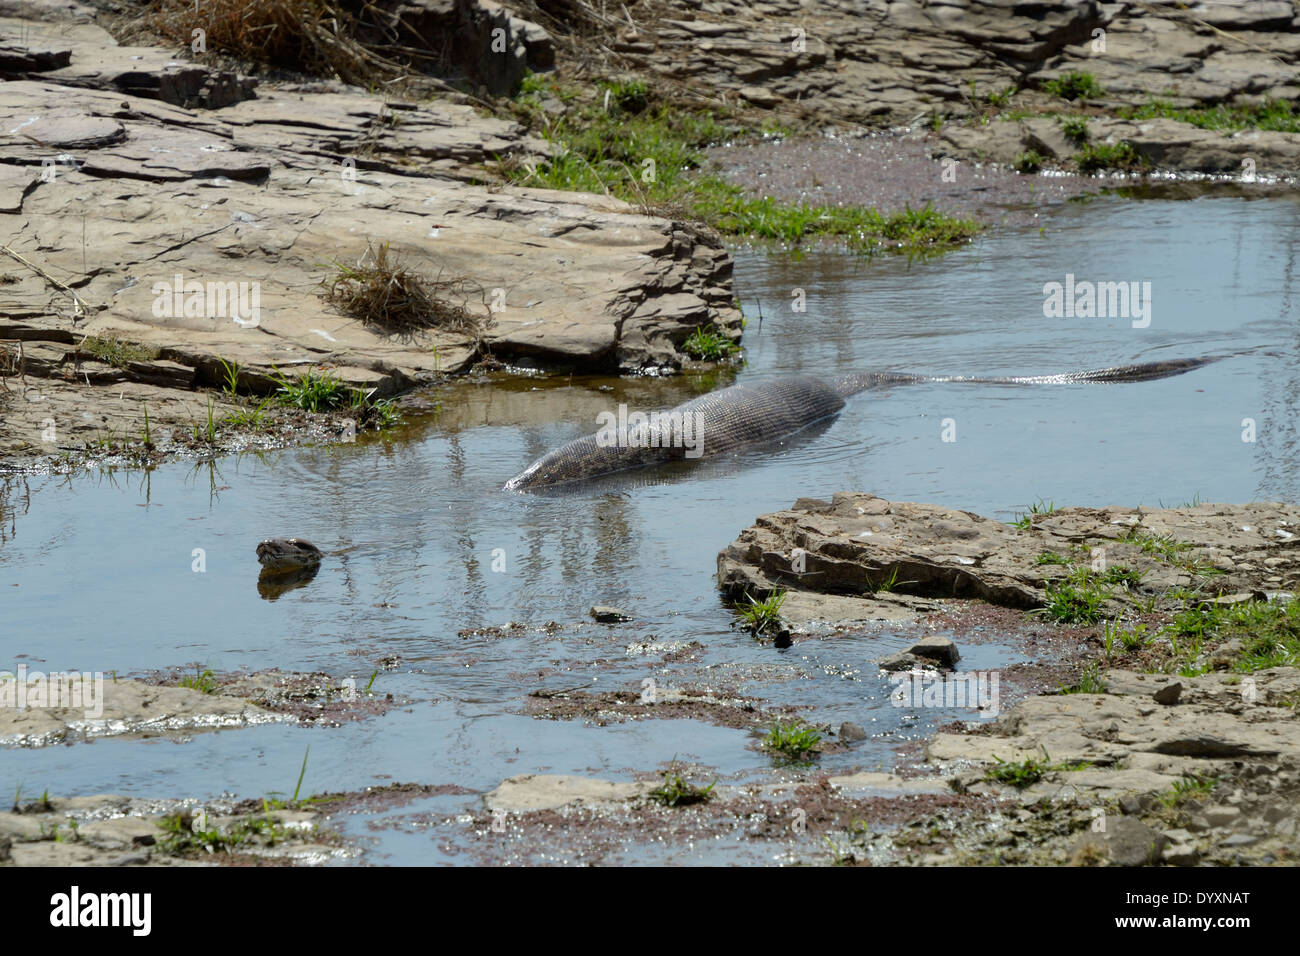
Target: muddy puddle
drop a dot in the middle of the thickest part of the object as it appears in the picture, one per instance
(428, 562)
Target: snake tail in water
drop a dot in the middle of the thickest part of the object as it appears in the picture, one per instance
(753, 413)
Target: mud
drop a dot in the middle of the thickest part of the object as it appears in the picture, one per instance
(602, 709)
(892, 172)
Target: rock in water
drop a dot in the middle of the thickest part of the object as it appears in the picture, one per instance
(288, 554)
(605, 614)
(938, 649)
(850, 732)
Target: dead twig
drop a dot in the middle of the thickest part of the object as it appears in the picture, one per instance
(81, 307)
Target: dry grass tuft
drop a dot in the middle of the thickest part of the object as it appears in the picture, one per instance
(381, 292)
(315, 37)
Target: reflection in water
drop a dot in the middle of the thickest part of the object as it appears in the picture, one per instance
(1278, 434)
(15, 497)
(272, 584)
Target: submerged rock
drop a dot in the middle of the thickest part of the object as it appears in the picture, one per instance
(37, 710)
(288, 554)
(850, 732)
(606, 614)
(931, 652)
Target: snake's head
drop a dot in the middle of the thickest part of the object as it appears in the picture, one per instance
(572, 461)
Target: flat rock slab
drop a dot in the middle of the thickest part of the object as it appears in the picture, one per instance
(33, 714)
(855, 544)
(531, 792)
(1220, 718)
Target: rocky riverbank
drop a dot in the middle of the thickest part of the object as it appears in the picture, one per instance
(155, 247)
(191, 238)
(178, 220)
(991, 76)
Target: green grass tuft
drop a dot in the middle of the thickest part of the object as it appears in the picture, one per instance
(1074, 85)
(676, 792)
(1075, 129)
(1024, 520)
(1025, 773)
(117, 353)
(708, 344)
(203, 681)
(1090, 682)
(763, 615)
(249, 416)
(1096, 157)
(1030, 162)
(1277, 115)
(1051, 557)
(629, 96)
(792, 740)
(1078, 599)
(313, 392)
(183, 838)
(1188, 788)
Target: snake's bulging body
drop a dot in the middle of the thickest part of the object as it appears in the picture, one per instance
(763, 411)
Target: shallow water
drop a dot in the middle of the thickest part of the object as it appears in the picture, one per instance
(96, 569)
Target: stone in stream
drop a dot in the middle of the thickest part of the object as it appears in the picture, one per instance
(287, 554)
(1239, 839)
(606, 614)
(1222, 816)
(850, 732)
(932, 652)
(1182, 849)
(938, 649)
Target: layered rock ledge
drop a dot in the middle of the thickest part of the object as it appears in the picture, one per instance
(862, 557)
(909, 62)
(210, 235)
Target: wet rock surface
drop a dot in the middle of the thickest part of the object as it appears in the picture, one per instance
(127, 708)
(112, 830)
(38, 709)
